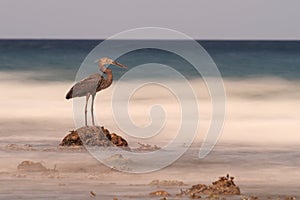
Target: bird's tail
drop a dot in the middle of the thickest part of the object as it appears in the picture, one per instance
(70, 94)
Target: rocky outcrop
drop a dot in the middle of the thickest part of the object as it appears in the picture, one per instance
(93, 136)
(224, 186)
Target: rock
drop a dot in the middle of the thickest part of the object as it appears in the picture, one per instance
(93, 136)
(118, 140)
(195, 196)
(223, 186)
(117, 159)
(92, 194)
(290, 198)
(118, 162)
(72, 139)
(29, 166)
(146, 147)
(213, 197)
(161, 193)
(252, 198)
(37, 167)
(199, 188)
(20, 175)
(16, 147)
(166, 183)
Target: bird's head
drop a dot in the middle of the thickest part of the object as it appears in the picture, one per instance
(107, 61)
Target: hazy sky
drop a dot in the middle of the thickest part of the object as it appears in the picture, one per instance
(200, 19)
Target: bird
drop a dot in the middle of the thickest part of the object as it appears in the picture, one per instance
(94, 83)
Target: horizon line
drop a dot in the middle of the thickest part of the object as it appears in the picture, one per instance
(203, 39)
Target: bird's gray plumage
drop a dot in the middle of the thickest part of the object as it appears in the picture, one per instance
(93, 84)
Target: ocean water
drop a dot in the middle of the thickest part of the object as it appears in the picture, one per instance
(235, 59)
(259, 144)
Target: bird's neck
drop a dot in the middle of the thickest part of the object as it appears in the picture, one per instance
(108, 78)
(109, 75)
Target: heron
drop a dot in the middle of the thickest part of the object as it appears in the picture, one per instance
(94, 83)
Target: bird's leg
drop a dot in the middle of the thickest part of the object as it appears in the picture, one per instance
(85, 109)
(92, 109)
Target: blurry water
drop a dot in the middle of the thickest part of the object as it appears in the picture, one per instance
(259, 144)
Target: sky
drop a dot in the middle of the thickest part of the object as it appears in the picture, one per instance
(199, 19)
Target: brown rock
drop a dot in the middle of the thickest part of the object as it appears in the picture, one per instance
(223, 186)
(290, 198)
(93, 136)
(118, 140)
(195, 196)
(72, 139)
(92, 194)
(146, 147)
(199, 188)
(161, 193)
(167, 183)
(29, 166)
(117, 160)
(17, 147)
(106, 132)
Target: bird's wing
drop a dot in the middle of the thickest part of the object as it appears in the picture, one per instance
(87, 85)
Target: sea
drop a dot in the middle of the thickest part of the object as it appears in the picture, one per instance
(234, 59)
(258, 117)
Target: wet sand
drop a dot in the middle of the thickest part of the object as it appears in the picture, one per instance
(258, 171)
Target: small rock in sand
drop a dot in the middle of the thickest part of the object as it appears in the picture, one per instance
(167, 183)
(92, 194)
(146, 147)
(16, 147)
(195, 196)
(30, 166)
(20, 175)
(290, 198)
(161, 193)
(118, 159)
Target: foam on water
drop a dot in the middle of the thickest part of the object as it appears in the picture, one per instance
(257, 109)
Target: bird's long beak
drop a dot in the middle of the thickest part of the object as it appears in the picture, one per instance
(119, 64)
